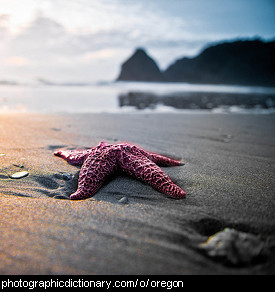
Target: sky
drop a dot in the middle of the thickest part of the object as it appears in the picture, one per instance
(88, 40)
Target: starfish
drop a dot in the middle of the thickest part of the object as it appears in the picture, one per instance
(100, 161)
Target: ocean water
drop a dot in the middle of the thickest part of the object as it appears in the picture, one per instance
(105, 97)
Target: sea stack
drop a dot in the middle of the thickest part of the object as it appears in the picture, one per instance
(243, 62)
(140, 67)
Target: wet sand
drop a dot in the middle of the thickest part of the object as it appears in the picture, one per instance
(228, 175)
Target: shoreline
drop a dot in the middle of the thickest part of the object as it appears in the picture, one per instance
(228, 177)
(137, 97)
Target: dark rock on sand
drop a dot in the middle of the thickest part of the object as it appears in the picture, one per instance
(235, 247)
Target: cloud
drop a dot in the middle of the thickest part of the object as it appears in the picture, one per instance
(90, 39)
(101, 54)
(47, 48)
(17, 61)
(4, 32)
(46, 39)
(43, 37)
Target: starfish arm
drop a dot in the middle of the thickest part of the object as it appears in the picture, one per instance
(160, 159)
(144, 169)
(155, 157)
(93, 173)
(75, 157)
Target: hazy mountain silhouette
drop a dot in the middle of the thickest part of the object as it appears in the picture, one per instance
(140, 67)
(243, 62)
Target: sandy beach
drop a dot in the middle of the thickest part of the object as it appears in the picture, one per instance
(228, 176)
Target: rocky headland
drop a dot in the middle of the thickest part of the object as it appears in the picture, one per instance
(241, 62)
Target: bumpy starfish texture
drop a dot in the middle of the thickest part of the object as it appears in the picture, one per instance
(100, 161)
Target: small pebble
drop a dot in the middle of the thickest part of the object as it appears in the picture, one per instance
(123, 200)
(18, 165)
(61, 197)
(66, 176)
(2, 154)
(19, 174)
(56, 129)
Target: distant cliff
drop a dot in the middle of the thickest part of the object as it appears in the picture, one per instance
(239, 62)
(140, 67)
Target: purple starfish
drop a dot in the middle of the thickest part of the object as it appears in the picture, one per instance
(98, 162)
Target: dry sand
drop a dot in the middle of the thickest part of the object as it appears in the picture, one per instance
(228, 176)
